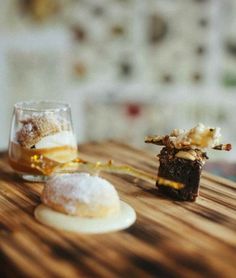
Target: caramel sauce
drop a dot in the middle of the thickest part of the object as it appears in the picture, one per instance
(21, 158)
(173, 184)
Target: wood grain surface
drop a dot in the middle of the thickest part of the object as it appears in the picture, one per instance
(169, 238)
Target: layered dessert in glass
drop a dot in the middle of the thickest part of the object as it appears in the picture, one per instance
(40, 129)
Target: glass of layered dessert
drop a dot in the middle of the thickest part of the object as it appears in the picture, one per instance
(41, 128)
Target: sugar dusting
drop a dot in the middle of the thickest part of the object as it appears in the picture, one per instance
(80, 187)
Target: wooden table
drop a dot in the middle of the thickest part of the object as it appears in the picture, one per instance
(169, 238)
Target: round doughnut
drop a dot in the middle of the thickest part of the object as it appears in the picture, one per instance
(81, 194)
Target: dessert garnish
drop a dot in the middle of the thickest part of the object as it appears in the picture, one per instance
(80, 202)
(48, 168)
(36, 127)
(182, 158)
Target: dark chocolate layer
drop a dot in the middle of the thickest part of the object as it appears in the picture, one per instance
(181, 170)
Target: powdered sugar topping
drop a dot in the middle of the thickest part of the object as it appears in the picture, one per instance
(80, 187)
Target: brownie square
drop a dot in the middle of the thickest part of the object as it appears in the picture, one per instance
(180, 170)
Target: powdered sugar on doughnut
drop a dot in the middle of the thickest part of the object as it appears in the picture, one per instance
(69, 189)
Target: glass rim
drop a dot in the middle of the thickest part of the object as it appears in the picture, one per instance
(31, 105)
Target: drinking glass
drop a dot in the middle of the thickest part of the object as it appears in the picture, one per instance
(40, 129)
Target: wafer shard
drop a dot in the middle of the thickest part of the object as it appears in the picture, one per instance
(223, 147)
(156, 140)
(166, 141)
(47, 167)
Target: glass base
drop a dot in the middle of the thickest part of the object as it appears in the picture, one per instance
(34, 178)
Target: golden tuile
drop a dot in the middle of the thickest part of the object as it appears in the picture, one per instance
(49, 167)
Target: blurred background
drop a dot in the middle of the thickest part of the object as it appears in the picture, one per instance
(128, 68)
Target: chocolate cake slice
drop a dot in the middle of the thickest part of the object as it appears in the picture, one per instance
(185, 171)
(182, 159)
